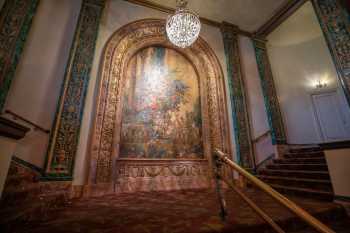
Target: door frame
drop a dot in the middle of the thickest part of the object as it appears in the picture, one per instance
(316, 115)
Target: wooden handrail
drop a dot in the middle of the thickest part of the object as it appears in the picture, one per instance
(16, 116)
(256, 208)
(320, 227)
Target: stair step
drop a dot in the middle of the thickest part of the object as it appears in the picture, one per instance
(305, 149)
(305, 192)
(324, 185)
(320, 175)
(304, 155)
(33, 209)
(14, 196)
(308, 167)
(318, 160)
(19, 180)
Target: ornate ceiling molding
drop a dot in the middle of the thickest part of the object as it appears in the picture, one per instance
(279, 17)
(170, 10)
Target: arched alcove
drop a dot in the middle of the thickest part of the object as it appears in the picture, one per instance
(112, 171)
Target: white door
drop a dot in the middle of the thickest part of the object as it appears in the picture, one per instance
(331, 122)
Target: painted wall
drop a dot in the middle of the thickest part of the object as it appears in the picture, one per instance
(35, 89)
(116, 15)
(255, 100)
(7, 146)
(299, 58)
(256, 106)
(338, 164)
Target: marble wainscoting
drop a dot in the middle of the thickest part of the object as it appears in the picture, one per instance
(146, 175)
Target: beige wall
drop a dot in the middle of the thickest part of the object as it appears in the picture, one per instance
(255, 100)
(35, 89)
(116, 15)
(7, 146)
(299, 58)
(45, 57)
(338, 164)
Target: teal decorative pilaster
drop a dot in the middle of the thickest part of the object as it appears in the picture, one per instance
(237, 96)
(65, 132)
(270, 96)
(15, 21)
(335, 23)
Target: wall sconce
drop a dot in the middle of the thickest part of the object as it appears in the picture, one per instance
(321, 85)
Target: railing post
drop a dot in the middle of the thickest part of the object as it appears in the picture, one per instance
(222, 202)
(241, 182)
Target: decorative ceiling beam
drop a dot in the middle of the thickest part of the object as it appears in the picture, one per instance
(279, 17)
(170, 10)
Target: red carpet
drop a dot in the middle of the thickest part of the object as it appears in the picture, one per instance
(174, 212)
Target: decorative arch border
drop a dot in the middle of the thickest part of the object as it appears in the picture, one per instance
(119, 49)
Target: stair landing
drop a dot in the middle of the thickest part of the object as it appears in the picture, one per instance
(194, 211)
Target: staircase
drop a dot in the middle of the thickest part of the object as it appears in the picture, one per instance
(302, 171)
(25, 198)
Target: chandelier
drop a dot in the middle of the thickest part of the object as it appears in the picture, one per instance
(183, 27)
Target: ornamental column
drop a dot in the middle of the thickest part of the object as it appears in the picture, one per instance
(335, 23)
(273, 111)
(15, 21)
(65, 132)
(237, 96)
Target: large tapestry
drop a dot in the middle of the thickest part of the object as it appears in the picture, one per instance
(152, 131)
(161, 116)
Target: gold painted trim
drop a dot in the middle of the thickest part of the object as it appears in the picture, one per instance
(118, 50)
(279, 17)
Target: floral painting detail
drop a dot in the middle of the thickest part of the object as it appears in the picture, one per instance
(236, 87)
(335, 23)
(15, 21)
(272, 106)
(161, 115)
(65, 132)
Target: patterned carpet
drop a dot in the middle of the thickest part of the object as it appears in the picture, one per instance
(192, 211)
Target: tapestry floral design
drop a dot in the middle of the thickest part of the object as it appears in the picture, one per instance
(65, 133)
(15, 21)
(270, 97)
(238, 100)
(161, 110)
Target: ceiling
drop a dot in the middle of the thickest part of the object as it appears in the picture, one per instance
(249, 15)
(290, 33)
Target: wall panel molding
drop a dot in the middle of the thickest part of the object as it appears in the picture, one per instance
(237, 96)
(15, 22)
(269, 91)
(64, 135)
(279, 17)
(335, 23)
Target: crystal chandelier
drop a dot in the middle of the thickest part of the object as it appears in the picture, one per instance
(184, 26)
